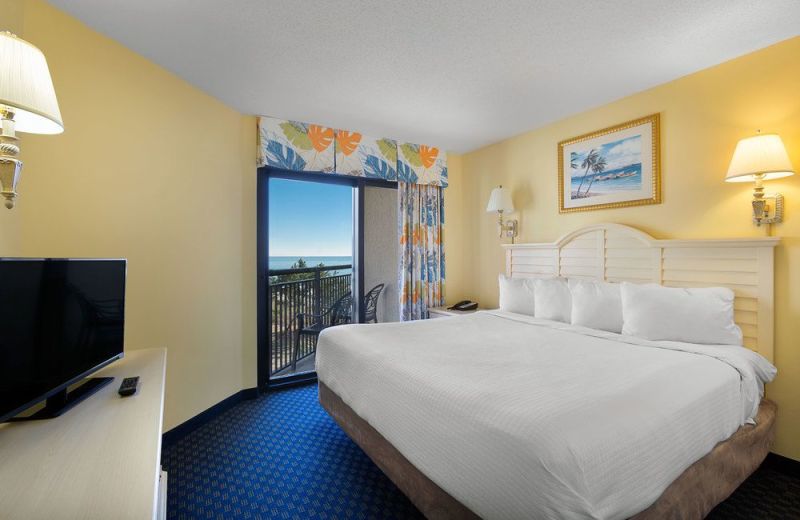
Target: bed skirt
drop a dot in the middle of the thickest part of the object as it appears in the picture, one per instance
(692, 495)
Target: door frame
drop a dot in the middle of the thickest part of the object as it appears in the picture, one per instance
(263, 309)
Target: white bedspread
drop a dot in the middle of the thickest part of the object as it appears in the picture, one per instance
(523, 418)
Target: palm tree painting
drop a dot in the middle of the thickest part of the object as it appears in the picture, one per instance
(611, 168)
(588, 163)
(598, 167)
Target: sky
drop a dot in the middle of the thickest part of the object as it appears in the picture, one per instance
(310, 218)
(617, 154)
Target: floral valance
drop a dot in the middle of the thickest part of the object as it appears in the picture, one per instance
(298, 146)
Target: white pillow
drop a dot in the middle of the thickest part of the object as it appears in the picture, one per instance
(703, 315)
(516, 295)
(596, 304)
(552, 300)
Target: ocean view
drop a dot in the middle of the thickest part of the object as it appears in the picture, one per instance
(285, 262)
(626, 178)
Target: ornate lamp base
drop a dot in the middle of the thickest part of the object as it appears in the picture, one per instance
(10, 166)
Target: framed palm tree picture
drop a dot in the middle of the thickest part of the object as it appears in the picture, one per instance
(611, 168)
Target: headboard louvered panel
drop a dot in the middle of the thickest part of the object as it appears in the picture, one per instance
(616, 253)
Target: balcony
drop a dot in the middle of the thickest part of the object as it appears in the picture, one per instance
(311, 290)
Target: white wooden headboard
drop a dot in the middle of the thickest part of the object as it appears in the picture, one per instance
(614, 253)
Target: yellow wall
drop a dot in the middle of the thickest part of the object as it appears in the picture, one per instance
(155, 171)
(454, 232)
(703, 116)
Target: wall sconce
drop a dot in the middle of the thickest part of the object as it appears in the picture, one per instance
(27, 104)
(761, 158)
(500, 201)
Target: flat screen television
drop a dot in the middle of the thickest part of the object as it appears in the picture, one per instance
(62, 319)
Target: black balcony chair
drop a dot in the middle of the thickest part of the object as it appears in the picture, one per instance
(309, 324)
(340, 313)
(371, 304)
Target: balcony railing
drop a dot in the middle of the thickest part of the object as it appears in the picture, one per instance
(312, 290)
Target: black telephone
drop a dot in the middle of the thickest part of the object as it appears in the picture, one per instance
(464, 305)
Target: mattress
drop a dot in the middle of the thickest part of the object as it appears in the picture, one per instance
(518, 418)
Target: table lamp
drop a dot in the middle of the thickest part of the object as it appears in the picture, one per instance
(27, 104)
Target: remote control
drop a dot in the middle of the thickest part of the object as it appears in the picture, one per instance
(128, 386)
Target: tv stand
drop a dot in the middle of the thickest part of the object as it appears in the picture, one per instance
(99, 461)
(62, 401)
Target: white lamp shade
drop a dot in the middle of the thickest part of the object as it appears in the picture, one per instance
(759, 155)
(26, 86)
(500, 200)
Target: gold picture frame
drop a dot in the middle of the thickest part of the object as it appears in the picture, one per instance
(609, 156)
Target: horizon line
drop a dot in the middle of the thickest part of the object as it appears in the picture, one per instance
(302, 255)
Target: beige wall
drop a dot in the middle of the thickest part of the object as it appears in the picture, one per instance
(703, 116)
(153, 170)
(381, 250)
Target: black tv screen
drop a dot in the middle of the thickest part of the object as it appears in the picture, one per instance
(62, 319)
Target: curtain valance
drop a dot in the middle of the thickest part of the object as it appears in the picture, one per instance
(306, 147)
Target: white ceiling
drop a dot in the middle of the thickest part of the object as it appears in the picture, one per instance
(459, 74)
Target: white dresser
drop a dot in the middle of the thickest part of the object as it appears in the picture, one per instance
(100, 460)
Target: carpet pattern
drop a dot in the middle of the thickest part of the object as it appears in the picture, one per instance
(768, 494)
(278, 456)
(281, 456)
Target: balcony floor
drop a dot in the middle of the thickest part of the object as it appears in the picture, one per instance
(305, 364)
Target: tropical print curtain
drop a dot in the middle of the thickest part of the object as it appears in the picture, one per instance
(296, 146)
(291, 145)
(420, 164)
(361, 156)
(421, 222)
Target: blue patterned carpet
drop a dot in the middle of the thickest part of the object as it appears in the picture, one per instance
(281, 456)
(278, 456)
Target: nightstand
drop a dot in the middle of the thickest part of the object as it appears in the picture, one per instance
(442, 312)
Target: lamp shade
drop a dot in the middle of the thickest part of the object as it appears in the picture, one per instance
(759, 155)
(26, 86)
(500, 200)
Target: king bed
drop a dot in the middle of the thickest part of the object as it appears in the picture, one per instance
(505, 415)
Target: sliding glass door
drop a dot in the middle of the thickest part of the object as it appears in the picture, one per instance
(327, 256)
(310, 269)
